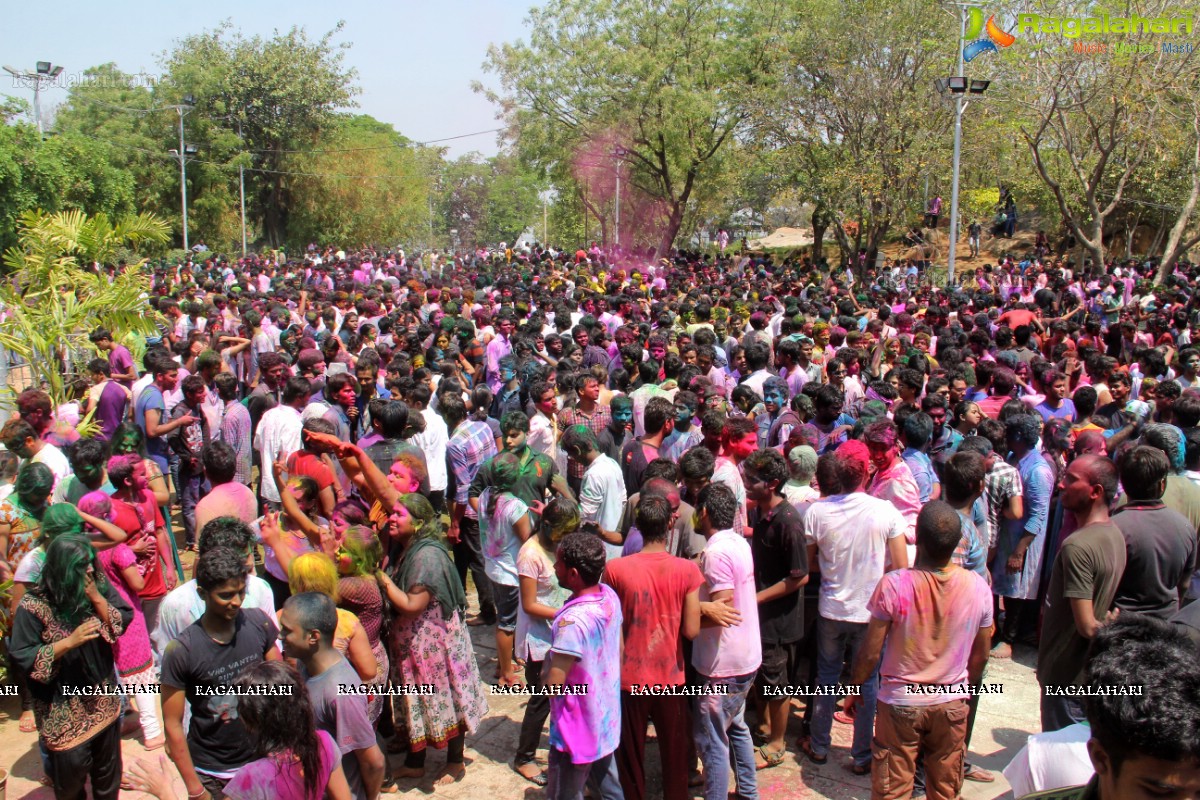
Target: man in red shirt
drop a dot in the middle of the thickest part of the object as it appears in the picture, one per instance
(314, 462)
(137, 514)
(1003, 381)
(660, 603)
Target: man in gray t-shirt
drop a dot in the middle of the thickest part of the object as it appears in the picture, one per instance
(306, 626)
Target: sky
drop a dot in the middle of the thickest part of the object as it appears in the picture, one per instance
(415, 60)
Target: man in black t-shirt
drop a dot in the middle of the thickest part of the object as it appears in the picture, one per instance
(780, 569)
(200, 666)
(1160, 543)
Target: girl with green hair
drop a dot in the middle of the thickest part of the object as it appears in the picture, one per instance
(21, 515)
(358, 558)
(428, 644)
(63, 634)
(56, 520)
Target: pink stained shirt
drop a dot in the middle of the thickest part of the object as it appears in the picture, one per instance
(727, 563)
(227, 500)
(935, 617)
(898, 486)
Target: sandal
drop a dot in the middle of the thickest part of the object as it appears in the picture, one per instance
(806, 747)
(537, 780)
(28, 723)
(773, 758)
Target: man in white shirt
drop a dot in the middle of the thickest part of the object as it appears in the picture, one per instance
(758, 358)
(432, 441)
(182, 606)
(855, 538)
(20, 438)
(278, 434)
(602, 495)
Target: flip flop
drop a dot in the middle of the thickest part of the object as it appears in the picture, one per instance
(537, 780)
(28, 724)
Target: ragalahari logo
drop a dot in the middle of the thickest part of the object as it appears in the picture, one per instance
(993, 38)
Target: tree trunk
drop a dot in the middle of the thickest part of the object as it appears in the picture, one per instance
(1176, 244)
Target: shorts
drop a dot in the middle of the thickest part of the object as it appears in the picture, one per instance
(780, 665)
(507, 600)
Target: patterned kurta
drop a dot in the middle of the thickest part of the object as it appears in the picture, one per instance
(66, 721)
(1038, 481)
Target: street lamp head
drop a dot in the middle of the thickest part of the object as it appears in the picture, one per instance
(190, 150)
(54, 73)
(978, 86)
(16, 73)
(189, 100)
(941, 85)
(44, 67)
(958, 84)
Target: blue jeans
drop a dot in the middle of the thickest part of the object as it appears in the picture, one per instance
(565, 781)
(833, 639)
(190, 487)
(722, 739)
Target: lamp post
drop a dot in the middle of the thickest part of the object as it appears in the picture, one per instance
(618, 154)
(242, 189)
(189, 102)
(46, 72)
(958, 86)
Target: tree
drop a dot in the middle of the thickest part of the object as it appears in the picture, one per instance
(1090, 124)
(283, 91)
(666, 80)
(364, 183)
(62, 172)
(53, 300)
(856, 113)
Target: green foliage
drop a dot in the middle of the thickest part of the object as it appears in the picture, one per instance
(489, 200)
(281, 93)
(382, 197)
(668, 80)
(54, 301)
(60, 173)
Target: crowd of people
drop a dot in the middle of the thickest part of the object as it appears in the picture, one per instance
(714, 493)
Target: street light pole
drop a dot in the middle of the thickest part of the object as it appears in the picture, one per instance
(959, 107)
(242, 190)
(46, 72)
(618, 153)
(183, 108)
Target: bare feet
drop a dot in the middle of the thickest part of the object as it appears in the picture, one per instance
(409, 772)
(1002, 650)
(451, 773)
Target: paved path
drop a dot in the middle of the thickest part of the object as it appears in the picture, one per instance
(1002, 725)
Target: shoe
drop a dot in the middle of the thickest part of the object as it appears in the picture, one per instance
(805, 746)
(978, 774)
(859, 769)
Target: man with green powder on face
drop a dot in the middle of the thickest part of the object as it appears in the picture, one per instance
(619, 431)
